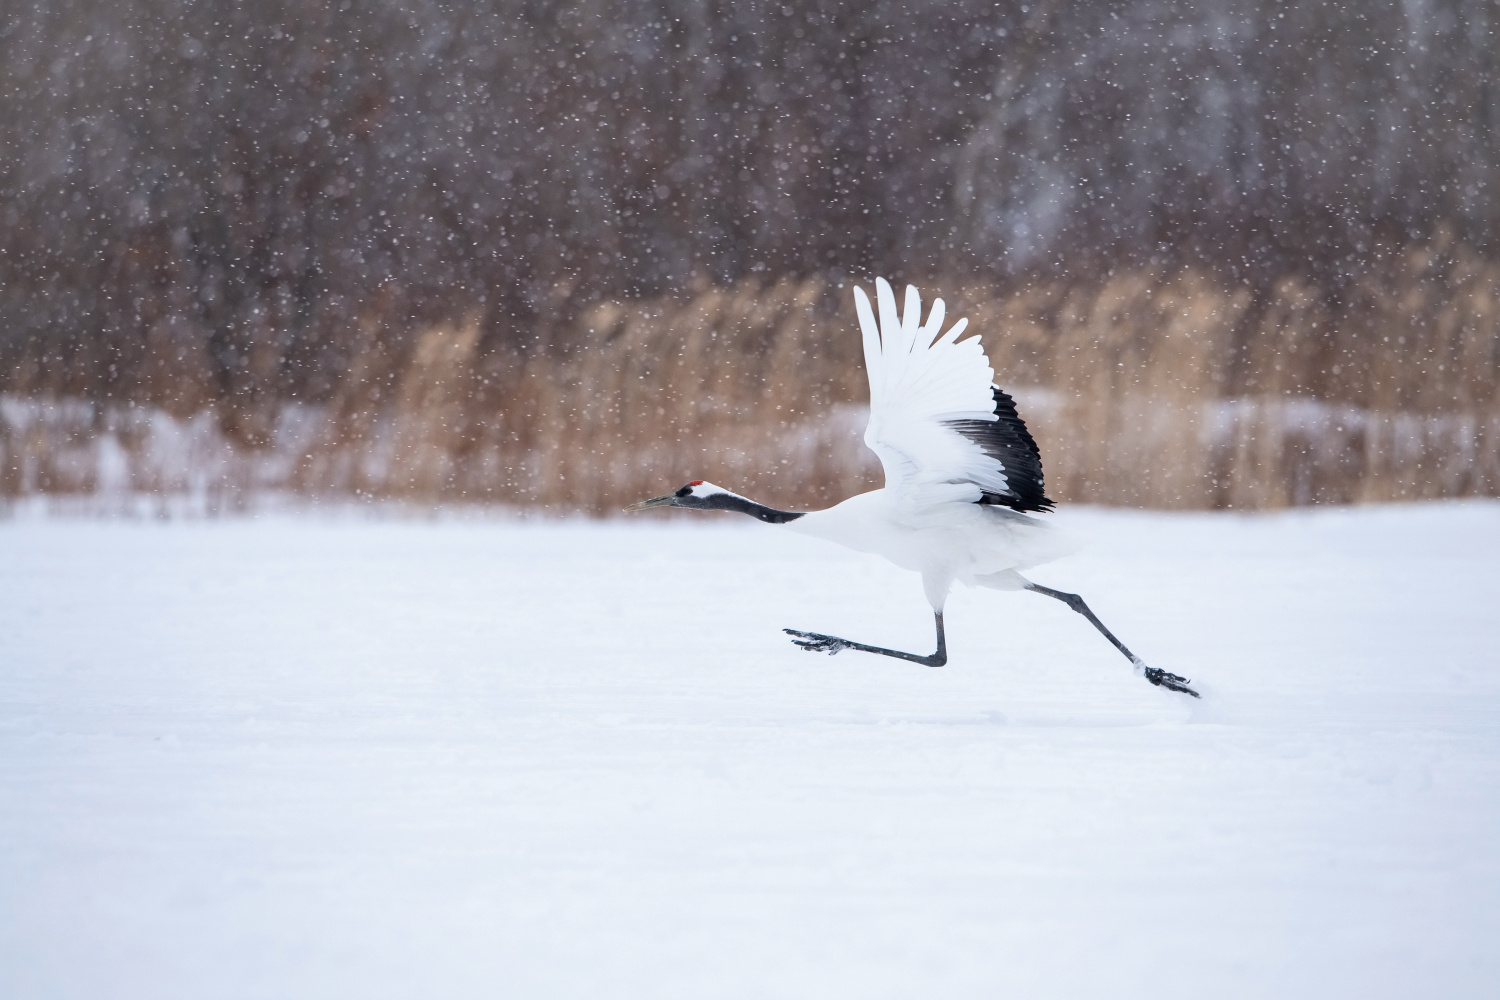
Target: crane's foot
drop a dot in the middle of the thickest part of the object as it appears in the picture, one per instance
(817, 642)
(1171, 682)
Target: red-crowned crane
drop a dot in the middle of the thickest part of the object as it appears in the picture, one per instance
(962, 474)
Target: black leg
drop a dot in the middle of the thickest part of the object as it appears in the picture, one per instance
(817, 642)
(1158, 677)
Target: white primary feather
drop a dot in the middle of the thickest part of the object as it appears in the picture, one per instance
(917, 381)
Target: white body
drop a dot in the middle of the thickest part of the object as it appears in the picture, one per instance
(926, 392)
(953, 542)
(926, 519)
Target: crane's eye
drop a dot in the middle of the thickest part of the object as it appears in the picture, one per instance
(686, 489)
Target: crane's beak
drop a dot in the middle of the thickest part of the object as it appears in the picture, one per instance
(665, 501)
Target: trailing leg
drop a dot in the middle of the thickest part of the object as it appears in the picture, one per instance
(1160, 678)
(817, 642)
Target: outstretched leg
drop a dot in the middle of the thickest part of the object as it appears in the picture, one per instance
(1158, 677)
(817, 642)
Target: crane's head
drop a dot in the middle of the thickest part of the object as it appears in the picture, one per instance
(697, 494)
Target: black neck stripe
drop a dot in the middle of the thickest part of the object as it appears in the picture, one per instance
(727, 501)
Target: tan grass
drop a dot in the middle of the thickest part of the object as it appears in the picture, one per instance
(1148, 389)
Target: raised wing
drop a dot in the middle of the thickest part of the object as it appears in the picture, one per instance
(942, 431)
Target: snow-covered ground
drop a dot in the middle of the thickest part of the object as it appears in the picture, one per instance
(308, 757)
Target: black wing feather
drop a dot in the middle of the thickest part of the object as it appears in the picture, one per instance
(1008, 442)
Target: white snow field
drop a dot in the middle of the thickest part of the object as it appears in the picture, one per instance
(308, 757)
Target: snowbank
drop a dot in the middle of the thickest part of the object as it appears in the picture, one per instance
(293, 757)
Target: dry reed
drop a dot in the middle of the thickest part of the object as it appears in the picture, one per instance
(1145, 389)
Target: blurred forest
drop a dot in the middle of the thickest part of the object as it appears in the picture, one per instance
(1239, 254)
